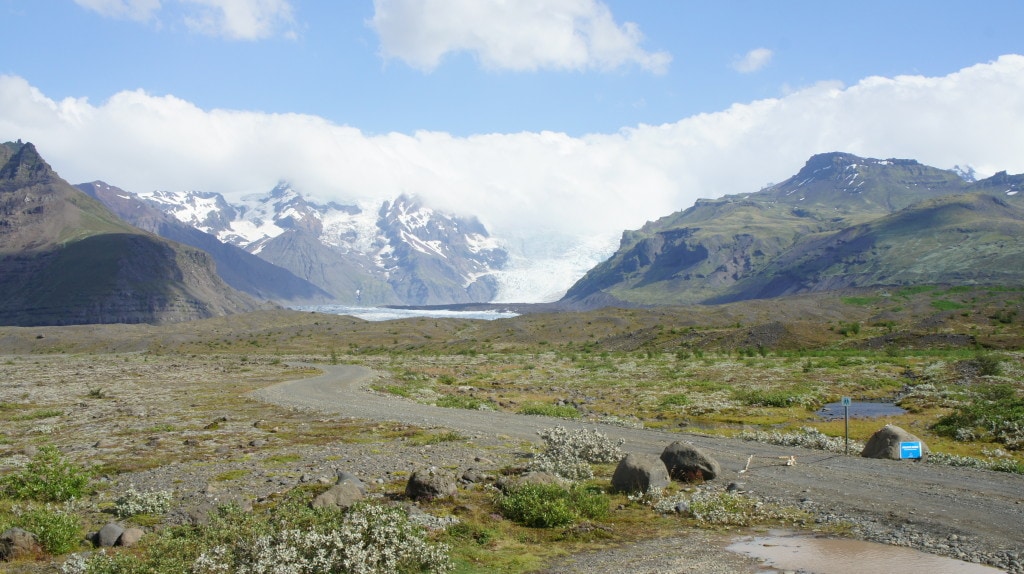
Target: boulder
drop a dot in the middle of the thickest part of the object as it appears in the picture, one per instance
(16, 543)
(344, 476)
(688, 463)
(341, 495)
(640, 473)
(886, 443)
(430, 484)
(130, 537)
(108, 535)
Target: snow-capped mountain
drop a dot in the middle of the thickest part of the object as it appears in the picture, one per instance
(396, 252)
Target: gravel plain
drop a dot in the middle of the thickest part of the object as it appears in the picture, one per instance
(224, 429)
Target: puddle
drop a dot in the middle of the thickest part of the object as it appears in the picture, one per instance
(860, 409)
(810, 555)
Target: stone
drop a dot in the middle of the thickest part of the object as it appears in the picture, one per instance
(429, 484)
(688, 463)
(885, 443)
(130, 537)
(341, 495)
(16, 543)
(639, 473)
(108, 535)
(344, 476)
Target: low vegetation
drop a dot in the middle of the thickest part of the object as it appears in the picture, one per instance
(950, 357)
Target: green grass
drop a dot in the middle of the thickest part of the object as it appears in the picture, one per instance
(549, 410)
(945, 305)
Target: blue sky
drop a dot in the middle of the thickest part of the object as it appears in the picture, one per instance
(567, 120)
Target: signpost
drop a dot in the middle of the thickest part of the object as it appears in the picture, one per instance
(846, 418)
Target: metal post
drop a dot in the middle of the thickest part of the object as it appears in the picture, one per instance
(846, 418)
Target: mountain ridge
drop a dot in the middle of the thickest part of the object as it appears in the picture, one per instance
(67, 259)
(397, 252)
(733, 247)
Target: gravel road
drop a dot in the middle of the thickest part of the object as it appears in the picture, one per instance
(971, 514)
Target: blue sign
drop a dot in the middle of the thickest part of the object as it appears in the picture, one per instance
(910, 449)
(846, 401)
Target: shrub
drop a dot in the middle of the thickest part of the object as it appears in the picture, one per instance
(674, 400)
(568, 453)
(550, 505)
(57, 530)
(289, 537)
(807, 437)
(48, 477)
(995, 413)
(133, 502)
(370, 539)
(463, 402)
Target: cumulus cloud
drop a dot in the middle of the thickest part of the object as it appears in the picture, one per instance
(753, 60)
(232, 19)
(140, 10)
(524, 185)
(524, 35)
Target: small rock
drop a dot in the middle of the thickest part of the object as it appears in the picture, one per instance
(341, 495)
(430, 484)
(130, 537)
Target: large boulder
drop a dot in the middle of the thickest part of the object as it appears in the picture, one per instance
(688, 463)
(640, 473)
(429, 484)
(16, 544)
(886, 443)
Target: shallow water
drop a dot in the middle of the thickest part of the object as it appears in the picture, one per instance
(811, 555)
(388, 314)
(860, 409)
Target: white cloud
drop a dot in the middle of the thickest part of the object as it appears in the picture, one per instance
(753, 60)
(232, 19)
(520, 35)
(140, 10)
(240, 19)
(524, 185)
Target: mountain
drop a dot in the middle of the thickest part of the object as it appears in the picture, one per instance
(66, 259)
(239, 268)
(396, 252)
(842, 221)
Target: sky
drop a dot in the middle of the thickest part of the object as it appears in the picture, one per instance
(570, 118)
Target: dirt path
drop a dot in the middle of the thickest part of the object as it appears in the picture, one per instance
(983, 509)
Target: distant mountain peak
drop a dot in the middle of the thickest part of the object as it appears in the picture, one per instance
(24, 167)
